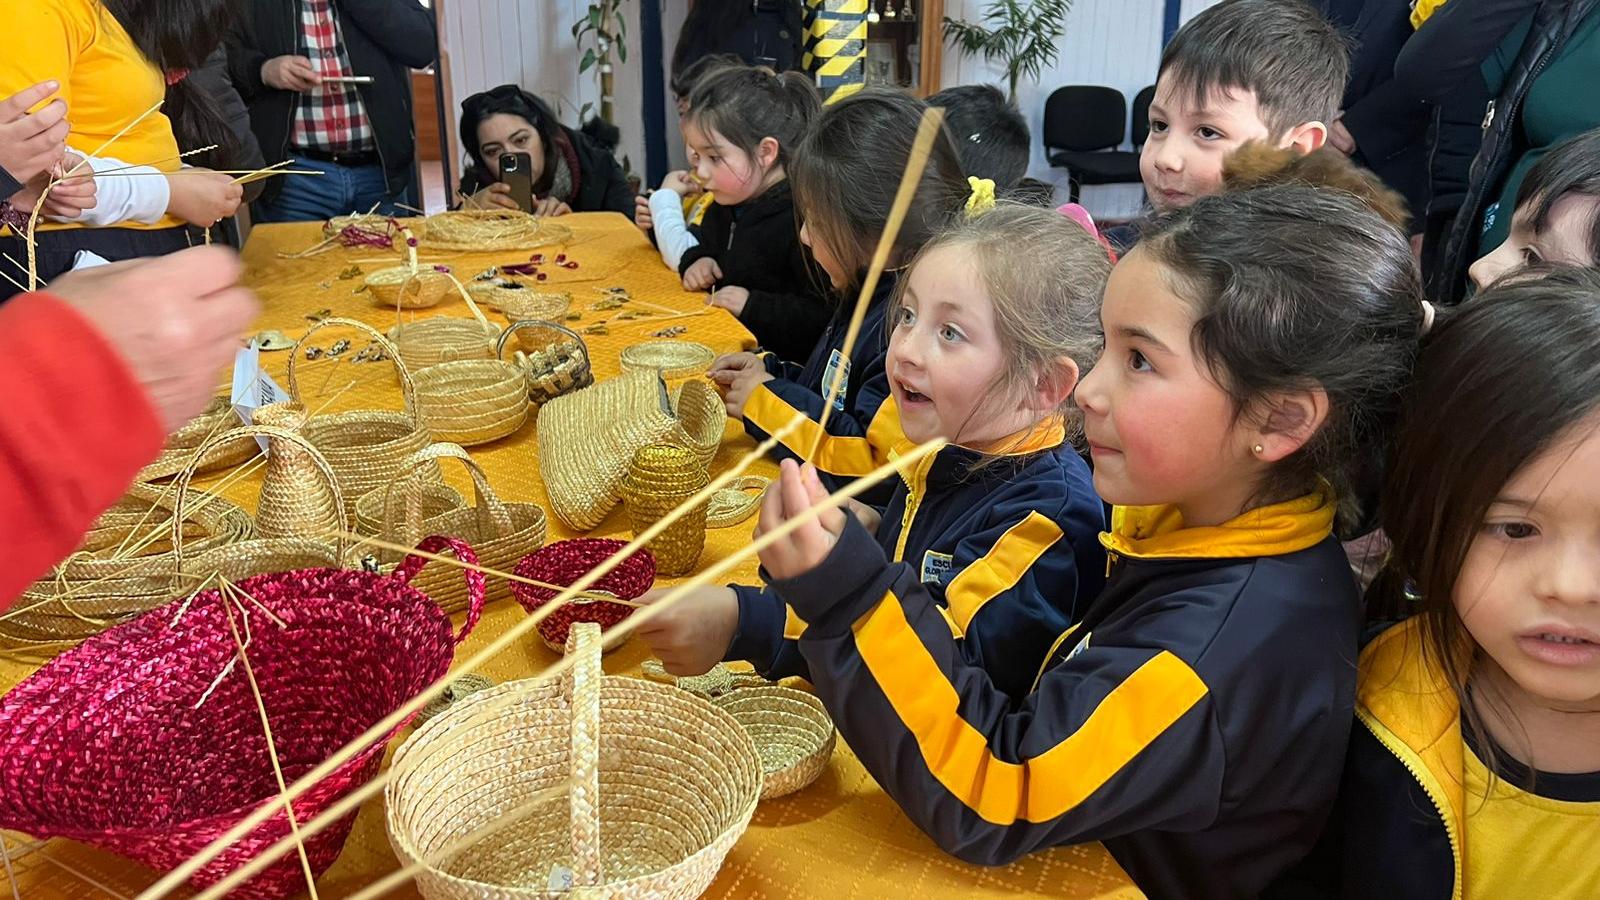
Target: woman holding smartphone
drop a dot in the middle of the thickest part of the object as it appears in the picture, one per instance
(563, 170)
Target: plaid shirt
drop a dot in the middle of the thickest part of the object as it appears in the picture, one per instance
(330, 117)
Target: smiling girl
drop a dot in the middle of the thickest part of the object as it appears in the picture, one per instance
(1195, 720)
(990, 330)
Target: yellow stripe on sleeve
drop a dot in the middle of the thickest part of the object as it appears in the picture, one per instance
(1047, 786)
(845, 456)
(1001, 568)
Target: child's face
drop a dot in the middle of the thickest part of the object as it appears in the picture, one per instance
(1529, 591)
(732, 174)
(1564, 240)
(1182, 159)
(946, 360)
(825, 257)
(1160, 430)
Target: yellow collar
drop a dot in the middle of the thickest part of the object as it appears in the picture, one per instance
(1157, 532)
(1046, 434)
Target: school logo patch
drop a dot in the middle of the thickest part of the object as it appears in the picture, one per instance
(836, 364)
(935, 566)
(1081, 646)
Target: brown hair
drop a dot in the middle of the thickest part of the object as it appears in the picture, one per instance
(747, 104)
(845, 172)
(1499, 381)
(1045, 276)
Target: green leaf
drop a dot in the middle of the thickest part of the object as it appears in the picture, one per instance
(588, 60)
(584, 112)
(622, 51)
(594, 17)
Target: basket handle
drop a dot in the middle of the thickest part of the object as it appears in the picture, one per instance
(408, 391)
(583, 644)
(493, 517)
(477, 585)
(505, 336)
(472, 305)
(340, 527)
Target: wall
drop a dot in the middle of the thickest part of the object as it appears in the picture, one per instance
(492, 42)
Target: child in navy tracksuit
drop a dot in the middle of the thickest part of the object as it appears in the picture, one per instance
(1195, 719)
(844, 176)
(1001, 526)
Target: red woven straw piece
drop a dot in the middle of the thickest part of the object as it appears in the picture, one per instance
(565, 562)
(111, 744)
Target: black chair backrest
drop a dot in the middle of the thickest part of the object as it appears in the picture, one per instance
(1085, 117)
(1141, 115)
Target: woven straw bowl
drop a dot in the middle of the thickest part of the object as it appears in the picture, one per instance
(791, 730)
(402, 287)
(429, 342)
(564, 562)
(651, 816)
(554, 358)
(482, 230)
(365, 448)
(110, 744)
(517, 301)
(472, 401)
(501, 532)
(673, 359)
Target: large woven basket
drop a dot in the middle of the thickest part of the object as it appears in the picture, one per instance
(440, 339)
(147, 740)
(501, 532)
(125, 566)
(181, 444)
(554, 358)
(649, 787)
(365, 448)
(588, 438)
(472, 401)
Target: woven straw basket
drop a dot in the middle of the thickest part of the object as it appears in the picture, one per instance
(643, 789)
(502, 532)
(482, 230)
(424, 500)
(402, 287)
(554, 358)
(564, 562)
(440, 339)
(181, 444)
(673, 359)
(588, 438)
(791, 728)
(365, 448)
(472, 401)
(516, 300)
(147, 740)
(660, 479)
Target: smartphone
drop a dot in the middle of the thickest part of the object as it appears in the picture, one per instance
(516, 170)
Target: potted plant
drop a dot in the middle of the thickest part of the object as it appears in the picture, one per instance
(1023, 34)
(605, 30)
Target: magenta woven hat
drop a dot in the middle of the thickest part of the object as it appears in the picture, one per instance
(146, 740)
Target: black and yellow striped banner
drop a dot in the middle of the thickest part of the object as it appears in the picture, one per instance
(836, 46)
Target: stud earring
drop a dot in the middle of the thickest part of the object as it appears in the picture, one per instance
(1258, 449)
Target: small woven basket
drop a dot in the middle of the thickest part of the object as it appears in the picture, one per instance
(653, 815)
(554, 358)
(587, 439)
(441, 339)
(517, 301)
(424, 501)
(472, 401)
(673, 359)
(147, 740)
(404, 287)
(564, 562)
(661, 478)
(181, 444)
(732, 504)
(791, 728)
(365, 448)
(502, 532)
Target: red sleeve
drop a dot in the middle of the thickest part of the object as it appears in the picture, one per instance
(75, 429)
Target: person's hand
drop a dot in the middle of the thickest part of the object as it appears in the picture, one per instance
(550, 206)
(203, 197)
(737, 390)
(679, 182)
(702, 275)
(32, 143)
(798, 489)
(290, 73)
(67, 199)
(1341, 138)
(175, 319)
(642, 216)
(495, 195)
(869, 517)
(726, 366)
(732, 299)
(693, 634)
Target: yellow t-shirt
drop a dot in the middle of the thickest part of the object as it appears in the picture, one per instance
(105, 81)
(1520, 845)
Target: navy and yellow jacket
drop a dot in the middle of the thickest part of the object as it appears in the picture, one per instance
(863, 426)
(1008, 553)
(1195, 721)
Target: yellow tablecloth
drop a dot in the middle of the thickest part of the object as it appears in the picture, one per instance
(841, 837)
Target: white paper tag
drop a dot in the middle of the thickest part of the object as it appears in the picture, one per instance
(560, 878)
(253, 388)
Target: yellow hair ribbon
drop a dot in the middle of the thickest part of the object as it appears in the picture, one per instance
(981, 200)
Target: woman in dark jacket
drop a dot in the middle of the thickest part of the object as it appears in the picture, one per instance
(573, 171)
